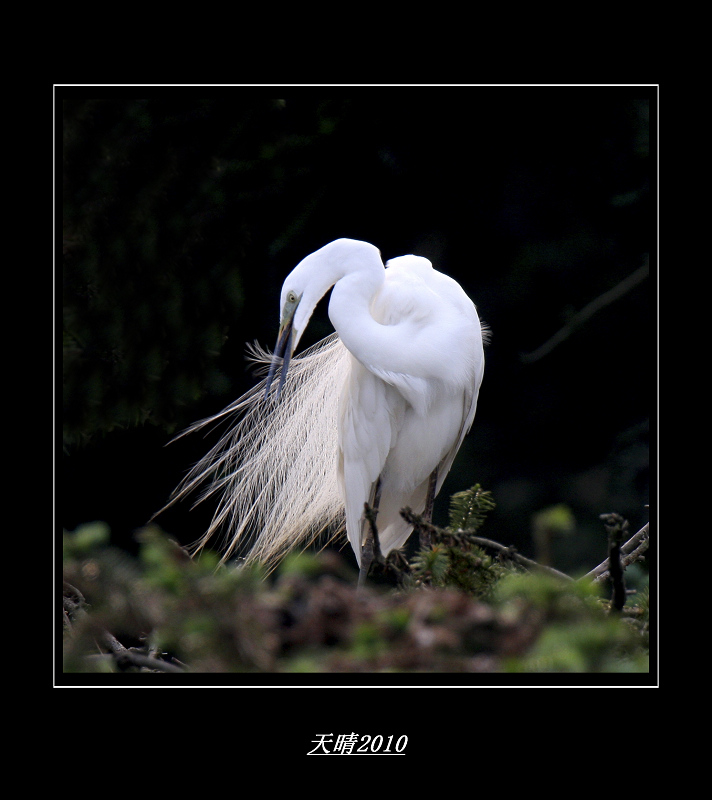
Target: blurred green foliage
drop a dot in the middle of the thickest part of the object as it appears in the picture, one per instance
(201, 616)
(453, 561)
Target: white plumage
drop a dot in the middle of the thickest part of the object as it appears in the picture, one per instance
(390, 396)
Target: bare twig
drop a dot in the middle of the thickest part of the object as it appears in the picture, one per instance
(125, 657)
(631, 551)
(511, 553)
(588, 311)
(419, 524)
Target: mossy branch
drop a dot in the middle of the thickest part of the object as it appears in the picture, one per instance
(505, 553)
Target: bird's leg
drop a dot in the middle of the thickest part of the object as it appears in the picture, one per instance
(366, 557)
(370, 547)
(425, 540)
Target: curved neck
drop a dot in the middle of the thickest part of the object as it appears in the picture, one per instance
(356, 272)
(350, 311)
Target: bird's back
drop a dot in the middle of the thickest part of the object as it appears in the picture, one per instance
(400, 426)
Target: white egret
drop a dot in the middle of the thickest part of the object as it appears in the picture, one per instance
(372, 414)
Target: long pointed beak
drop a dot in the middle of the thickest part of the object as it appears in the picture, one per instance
(283, 353)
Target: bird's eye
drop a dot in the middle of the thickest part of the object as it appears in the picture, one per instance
(291, 297)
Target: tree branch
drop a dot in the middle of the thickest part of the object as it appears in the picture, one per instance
(588, 311)
(631, 551)
(505, 552)
(125, 657)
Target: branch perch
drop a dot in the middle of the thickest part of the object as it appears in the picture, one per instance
(631, 551)
(505, 552)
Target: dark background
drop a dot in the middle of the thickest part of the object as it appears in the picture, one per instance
(183, 209)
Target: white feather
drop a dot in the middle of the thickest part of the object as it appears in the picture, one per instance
(273, 473)
(390, 396)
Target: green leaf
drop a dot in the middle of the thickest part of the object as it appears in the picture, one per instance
(469, 509)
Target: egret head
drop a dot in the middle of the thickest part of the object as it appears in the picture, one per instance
(300, 294)
(305, 285)
(286, 339)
